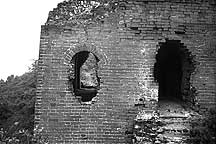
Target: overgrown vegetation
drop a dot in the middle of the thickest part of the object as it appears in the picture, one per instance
(17, 99)
(82, 12)
(204, 129)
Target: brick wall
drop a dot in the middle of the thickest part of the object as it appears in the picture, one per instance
(126, 45)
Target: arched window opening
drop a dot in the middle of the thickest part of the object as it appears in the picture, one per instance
(85, 79)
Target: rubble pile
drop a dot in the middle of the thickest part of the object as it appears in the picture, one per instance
(146, 131)
(170, 124)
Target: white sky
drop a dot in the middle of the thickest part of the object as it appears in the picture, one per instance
(20, 25)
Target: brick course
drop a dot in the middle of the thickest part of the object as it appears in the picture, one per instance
(126, 45)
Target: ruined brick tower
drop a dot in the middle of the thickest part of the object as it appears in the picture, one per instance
(97, 73)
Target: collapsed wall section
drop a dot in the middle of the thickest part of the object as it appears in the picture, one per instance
(126, 44)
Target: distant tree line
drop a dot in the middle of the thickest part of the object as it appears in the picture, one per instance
(17, 99)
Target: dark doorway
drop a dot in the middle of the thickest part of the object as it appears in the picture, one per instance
(168, 70)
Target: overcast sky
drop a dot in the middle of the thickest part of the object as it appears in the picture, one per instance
(20, 24)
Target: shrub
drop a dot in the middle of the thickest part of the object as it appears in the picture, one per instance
(204, 129)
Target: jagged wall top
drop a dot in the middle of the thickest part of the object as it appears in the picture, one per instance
(76, 12)
(84, 12)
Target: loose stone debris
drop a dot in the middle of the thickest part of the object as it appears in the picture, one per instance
(170, 124)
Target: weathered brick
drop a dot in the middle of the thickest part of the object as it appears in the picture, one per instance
(126, 45)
